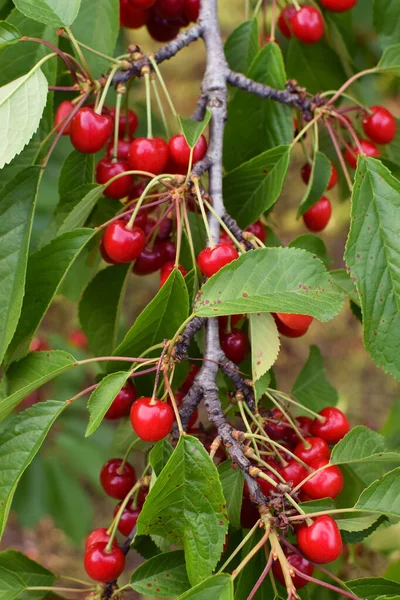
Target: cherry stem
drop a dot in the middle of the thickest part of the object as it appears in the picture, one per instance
(112, 530)
(320, 567)
(79, 53)
(260, 580)
(257, 7)
(82, 393)
(224, 227)
(211, 243)
(339, 155)
(57, 88)
(189, 236)
(350, 128)
(178, 233)
(273, 19)
(282, 448)
(151, 184)
(116, 123)
(241, 545)
(57, 51)
(148, 103)
(163, 85)
(168, 210)
(296, 4)
(275, 451)
(296, 489)
(127, 453)
(336, 511)
(157, 377)
(307, 519)
(305, 408)
(324, 584)
(99, 107)
(245, 421)
(173, 402)
(289, 419)
(305, 129)
(61, 33)
(277, 552)
(252, 552)
(160, 107)
(349, 82)
(112, 358)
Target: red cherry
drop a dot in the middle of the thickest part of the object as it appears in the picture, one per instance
(167, 269)
(191, 10)
(294, 472)
(104, 566)
(338, 5)
(258, 230)
(180, 152)
(64, 109)
(306, 173)
(295, 321)
(89, 131)
(249, 514)
(142, 4)
(128, 518)
(235, 345)
(127, 126)
(151, 420)
(162, 30)
(78, 339)
(318, 216)
(284, 21)
(321, 542)
(369, 149)
(280, 429)
(298, 562)
(211, 260)
(149, 155)
(164, 229)
(122, 403)
(122, 149)
(380, 126)
(265, 486)
(123, 245)
(104, 254)
(287, 331)
(335, 426)
(98, 535)
(307, 25)
(117, 484)
(106, 169)
(169, 9)
(167, 250)
(130, 17)
(319, 449)
(149, 261)
(39, 344)
(326, 484)
(305, 424)
(223, 321)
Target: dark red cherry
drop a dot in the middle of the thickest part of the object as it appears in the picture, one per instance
(266, 486)
(278, 427)
(326, 484)
(167, 269)
(89, 131)
(167, 250)
(130, 17)
(306, 173)
(187, 384)
(174, 169)
(106, 169)
(321, 542)
(149, 155)
(305, 425)
(295, 321)
(164, 229)
(169, 9)
(380, 126)
(298, 562)
(98, 535)
(318, 216)
(191, 10)
(180, 152)
(128, 518)
(225, 320)
(39, 344)
(104, 254)
(142, 4)
(122, 403)
(138, 188)
(151, 420)
(121, 244)
(338, 5)
(287, 331)
(63, 111)
(369, 149)
(116, 482)
(307, 25)
(235, 345)
(294, 472)
(162, 30)
(104, 566)
(149, 261)
(284, 21)
(127, 126)
(78, 339)
(122, 150)
(211, 260)
(335, 426)
(258, 230)
(318, 448)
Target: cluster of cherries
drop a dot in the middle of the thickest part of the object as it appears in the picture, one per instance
(163, 18)
(306, 23)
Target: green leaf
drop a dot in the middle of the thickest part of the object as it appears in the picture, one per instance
(18, 572)
(312, 243)
(22, 103)
(192, 130)
(382, 496)
(46, 271)
(356, 529)
(252, 188)
(321, 170)
(30, 373)
(261, 385)
(311, 387)
(390, 60)
(386, 22)
(50, 12)
(8, 34)
(164, 575)
(17, 202)
(160, 319)
(265, 343)
(90, 194)
(218, 587)
(241, 47)
(371, 588)
(160, 455)
(255, 124)
(343, 280)
(102, 398)
(372, 254)
(144, 545)
(100, 308)
(270, 280)
(20, 441)
(232, 481)
(186, 507)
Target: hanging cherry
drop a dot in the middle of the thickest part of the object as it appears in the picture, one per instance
(334, 427)
(89, 131)
(380, 126)
(123, 245)
(320, 542)
(318, 216)
(368, 148)
(307, 25)
(211, 260)
(151, 419)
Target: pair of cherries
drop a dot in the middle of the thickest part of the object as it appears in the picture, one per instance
(306, 24)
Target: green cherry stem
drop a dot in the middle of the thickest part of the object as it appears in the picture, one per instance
(295, 403)
(278, 445)
(150, 185)
(289, 419)
(224, 227)
(262, 432)
(211, 242)
(241, 545)
(252, 552)
(147, 83)
(245, 421)
(163, 86)
(79, 53)
(339, 155)
(102, 100)
(118, 102)
(179, 231)
(336, 511)
(188, 232)
(112, 530)
(160, 107)
(174, 404)
(349, 82)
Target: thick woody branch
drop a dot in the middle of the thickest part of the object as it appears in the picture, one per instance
(230, 370)
(183, 343)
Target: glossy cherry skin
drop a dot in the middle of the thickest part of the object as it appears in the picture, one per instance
(167, 269)
(326, 484)
(162, 30)
(318, 216)
(258, 230)
(128, 518)
(300, 563)
(294, 472)
(319, 449)
(127, 127)
(235, 345)
(106, 169)
(211, 260)
(335, 426)
(104, 566)
(63, 111)
(142, 4)
(167, 250)
(116, 484)
(122, 150)
(89, 131)
(305, 425)
(98, 535)
(104, 254)
(284, 21)
(287, 331)
(249, 514)
(151, 422)
(191, 10)
(369, 149)
(308, 25)
(169, 9)
(122, 402)
(149, 155)
(180, 152)
(306, 173)
(149, 261)
(338, 5)
(295, 321)
(321, 542)
(380, 126)
(123, 245)
(130, 17)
